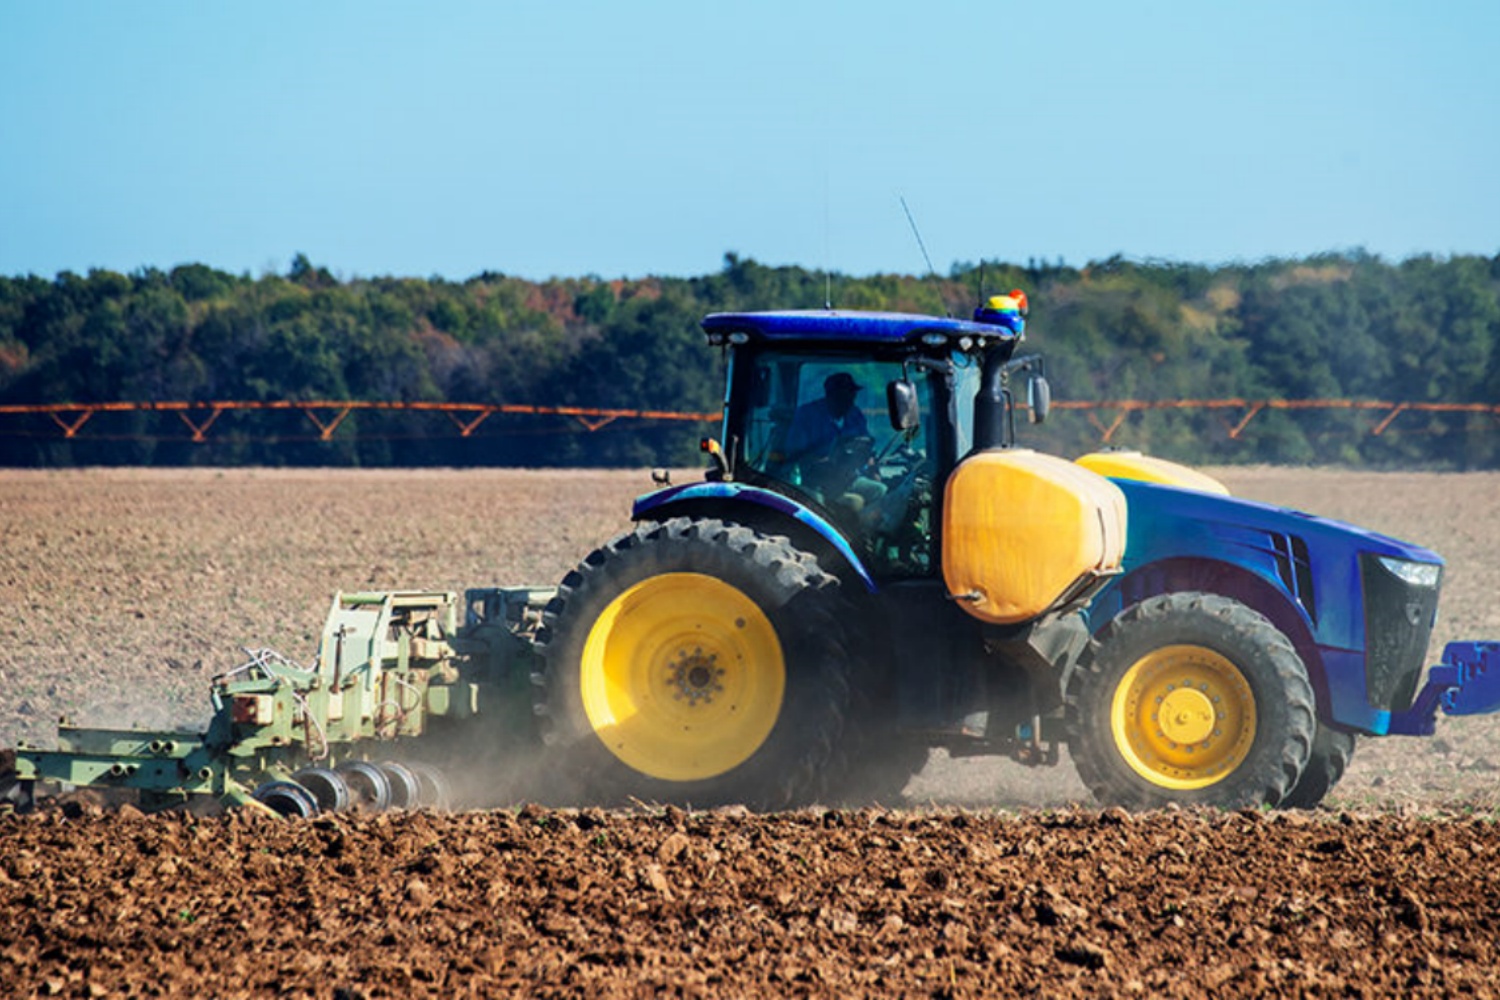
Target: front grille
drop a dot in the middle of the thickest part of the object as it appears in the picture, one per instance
(1398, 624)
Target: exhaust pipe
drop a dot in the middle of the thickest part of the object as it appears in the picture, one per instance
(992, 402)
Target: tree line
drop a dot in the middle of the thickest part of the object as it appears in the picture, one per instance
(1335, 326)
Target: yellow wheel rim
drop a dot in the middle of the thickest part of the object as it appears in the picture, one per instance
(1183, 717)
(682, 677)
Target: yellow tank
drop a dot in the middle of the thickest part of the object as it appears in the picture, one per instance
(1134, 465)
(1022, 529)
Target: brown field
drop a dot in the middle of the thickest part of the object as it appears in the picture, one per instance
(124, 591)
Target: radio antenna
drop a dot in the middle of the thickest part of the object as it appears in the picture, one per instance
(917, 233)
(827, 273)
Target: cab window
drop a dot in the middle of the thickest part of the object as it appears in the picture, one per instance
(818, 426)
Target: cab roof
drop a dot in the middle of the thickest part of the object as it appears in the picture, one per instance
(851, 327)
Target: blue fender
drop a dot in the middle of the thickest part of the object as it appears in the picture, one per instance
(667, 502)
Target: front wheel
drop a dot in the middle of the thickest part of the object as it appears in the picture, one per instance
(1195, 699)
(696, 662)
(1331, 752)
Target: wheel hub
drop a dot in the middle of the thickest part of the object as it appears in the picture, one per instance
(695, 676)
(1186, 716)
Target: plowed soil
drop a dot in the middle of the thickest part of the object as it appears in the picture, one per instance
(124, 591)
(540, 903)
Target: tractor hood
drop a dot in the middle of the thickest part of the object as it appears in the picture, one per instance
(1349, 586)
(1168, 518)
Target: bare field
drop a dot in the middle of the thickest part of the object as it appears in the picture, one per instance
(126, 590)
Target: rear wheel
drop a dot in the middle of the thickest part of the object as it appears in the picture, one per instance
(1195, 699)
(698, 662)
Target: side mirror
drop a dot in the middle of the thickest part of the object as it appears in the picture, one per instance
(1038, 398)
(901, 401)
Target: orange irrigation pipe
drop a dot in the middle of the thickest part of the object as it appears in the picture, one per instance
(200, 416)
(1124, 407)
(72, 416)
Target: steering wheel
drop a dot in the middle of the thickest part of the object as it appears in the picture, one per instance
(851, 450)
(832, 473)
(898, 451)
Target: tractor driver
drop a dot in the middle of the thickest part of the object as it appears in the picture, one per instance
(830, 440)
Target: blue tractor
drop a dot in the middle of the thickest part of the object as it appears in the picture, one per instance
(874, 567)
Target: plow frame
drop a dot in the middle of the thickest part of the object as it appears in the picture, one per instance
(387, 665)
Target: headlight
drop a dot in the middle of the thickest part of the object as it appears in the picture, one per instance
(1414, 573)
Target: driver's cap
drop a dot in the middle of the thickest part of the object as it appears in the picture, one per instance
(840, 382)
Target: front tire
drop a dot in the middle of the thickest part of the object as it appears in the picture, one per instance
(1194, 699)
(695, 662)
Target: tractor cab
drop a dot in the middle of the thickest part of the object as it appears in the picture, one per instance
(859, 417)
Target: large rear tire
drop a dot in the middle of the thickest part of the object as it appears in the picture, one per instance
(695, 662)
(1194, 699)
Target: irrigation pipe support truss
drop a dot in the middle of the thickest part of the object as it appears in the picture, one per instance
(327, 415)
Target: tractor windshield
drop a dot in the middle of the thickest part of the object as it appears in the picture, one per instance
(818, 425)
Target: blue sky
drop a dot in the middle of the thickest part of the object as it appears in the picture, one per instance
(540, 139)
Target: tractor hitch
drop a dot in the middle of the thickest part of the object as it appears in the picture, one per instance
(1467, 682)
